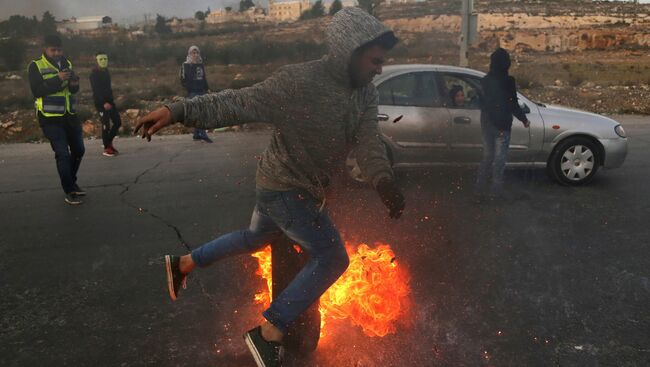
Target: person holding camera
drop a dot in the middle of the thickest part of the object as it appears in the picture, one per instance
(54, 86)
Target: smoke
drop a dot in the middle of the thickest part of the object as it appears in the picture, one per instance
(122, 11)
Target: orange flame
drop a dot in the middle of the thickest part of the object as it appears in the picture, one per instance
(373, 293)
(264, 270)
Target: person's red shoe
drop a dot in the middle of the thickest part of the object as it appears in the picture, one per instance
(115, 151)
(108, 152)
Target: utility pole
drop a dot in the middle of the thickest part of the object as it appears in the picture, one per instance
(468, 30)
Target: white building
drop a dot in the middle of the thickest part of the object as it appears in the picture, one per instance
(76, 25)
(253, 14)
(290, 10)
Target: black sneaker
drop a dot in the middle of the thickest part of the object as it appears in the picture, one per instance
(72, 199)
(266, 354)
(175, 279)
(78, 191)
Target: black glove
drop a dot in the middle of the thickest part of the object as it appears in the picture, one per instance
(391, 197)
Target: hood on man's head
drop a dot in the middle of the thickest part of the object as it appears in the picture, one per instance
(500, 61)
(350, 29)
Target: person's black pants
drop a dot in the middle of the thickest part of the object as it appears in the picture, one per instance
(109, 131)
(66, 139)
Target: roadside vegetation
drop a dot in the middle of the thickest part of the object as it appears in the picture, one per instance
(238, 55)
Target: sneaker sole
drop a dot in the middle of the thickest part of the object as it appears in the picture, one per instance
(254, 352)
(73, 202)
(170, 277)
(108, 155)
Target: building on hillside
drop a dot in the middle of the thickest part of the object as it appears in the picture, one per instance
(81, 24)
(252, 15)
(388, 2)
(288, 10)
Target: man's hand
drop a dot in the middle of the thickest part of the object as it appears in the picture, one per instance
(527, 123)
(64, 75)
(153, 122)
(107, 106)
(391, 197)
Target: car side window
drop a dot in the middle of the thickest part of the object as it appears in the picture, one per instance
(461, 91)
(412, 89)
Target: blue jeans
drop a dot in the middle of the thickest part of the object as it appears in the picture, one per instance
(66, 140)
(495, 155)
(198, 133)
(297, 214)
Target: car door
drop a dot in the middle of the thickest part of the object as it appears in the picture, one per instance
(412, 119)
(466, 140)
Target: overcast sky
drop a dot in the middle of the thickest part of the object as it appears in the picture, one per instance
(119, 10)
(130, 11)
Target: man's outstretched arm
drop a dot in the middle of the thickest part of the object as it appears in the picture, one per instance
(370, 152)
(258, 103)
(373, 160)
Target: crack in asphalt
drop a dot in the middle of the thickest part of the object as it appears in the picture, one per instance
(172, 226)
(127, 187)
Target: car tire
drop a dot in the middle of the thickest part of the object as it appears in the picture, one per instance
(574, 161)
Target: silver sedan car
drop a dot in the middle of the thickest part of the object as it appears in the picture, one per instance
(422, 126)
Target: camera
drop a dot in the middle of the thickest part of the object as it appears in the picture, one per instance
(73, 77)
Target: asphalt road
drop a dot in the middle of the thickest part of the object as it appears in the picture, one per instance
(560, 278)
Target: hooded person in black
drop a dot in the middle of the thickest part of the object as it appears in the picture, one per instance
(100, 81)
(498, 106)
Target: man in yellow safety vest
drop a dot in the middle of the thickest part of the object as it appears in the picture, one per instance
(54, 85)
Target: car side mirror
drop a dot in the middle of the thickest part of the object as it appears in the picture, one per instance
(525, 108)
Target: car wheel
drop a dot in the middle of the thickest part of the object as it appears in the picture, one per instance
(574, 161)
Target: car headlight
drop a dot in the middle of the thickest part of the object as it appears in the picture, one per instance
(620, 131)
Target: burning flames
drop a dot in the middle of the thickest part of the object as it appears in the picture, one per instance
(372, 293)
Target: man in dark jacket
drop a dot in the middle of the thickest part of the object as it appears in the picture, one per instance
(54, 85)
(100, 81)
(321, 110)
(499, 104)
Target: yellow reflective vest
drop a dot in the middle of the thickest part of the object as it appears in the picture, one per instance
(55, 104)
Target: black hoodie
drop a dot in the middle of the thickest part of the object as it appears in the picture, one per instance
(500, 102)
(100, 81)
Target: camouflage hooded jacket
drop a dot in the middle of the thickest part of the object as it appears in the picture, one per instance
(318, 116)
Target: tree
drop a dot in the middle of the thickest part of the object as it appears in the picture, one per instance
(161, 26)
(12, 53)
(316, 11)
(369, 5)
(18, 26)
(335, 7)
(245, 5)
(48, 23)
(200, 15)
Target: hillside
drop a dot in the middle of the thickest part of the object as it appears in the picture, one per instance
(594, 57)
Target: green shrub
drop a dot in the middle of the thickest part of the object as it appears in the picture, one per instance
(12, 53)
